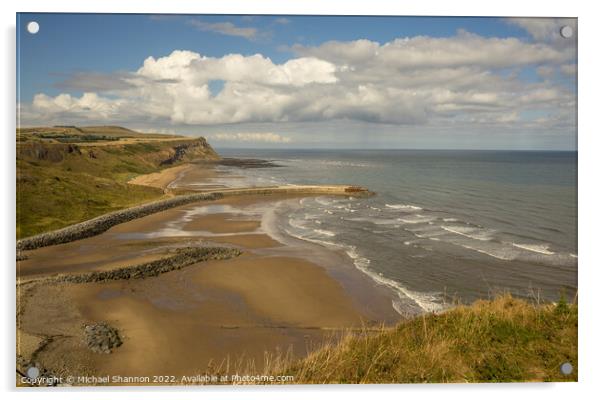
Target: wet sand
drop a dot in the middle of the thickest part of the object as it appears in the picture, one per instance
(181, 323)
(273, 298)
(222, 223)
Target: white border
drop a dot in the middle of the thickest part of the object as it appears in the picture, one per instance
(552, 8)
(589, 174)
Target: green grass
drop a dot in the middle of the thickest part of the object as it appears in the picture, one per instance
(63, 187)
(60, 131)
(503, 340)
(54, 196)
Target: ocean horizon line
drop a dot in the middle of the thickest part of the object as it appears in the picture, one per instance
(398, 149)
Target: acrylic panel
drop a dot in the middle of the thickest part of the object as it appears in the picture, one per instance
(287, 199)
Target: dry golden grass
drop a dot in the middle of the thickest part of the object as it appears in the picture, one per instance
(500, 340)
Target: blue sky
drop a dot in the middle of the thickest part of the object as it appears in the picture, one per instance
(113, 42)
(73, 54)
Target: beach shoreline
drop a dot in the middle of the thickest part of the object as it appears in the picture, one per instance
(271, 299)
(161, 179)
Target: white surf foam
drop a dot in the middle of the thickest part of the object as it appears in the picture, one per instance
(418, 219)
(501, 255)
(324, 201)
(324, 232)
(427, 302)
(360, 219)
(343, 163)
(300, 225)
(429, 235)
(297, 223)
(473, 233)
(407, 207)
(311, 239)
(536, 248)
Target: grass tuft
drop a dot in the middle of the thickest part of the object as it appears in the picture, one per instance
(500, 340)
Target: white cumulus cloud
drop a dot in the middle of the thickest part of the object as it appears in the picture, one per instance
(464, 79)
(547, 29)
(265, 137)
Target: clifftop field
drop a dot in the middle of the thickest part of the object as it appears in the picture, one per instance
(68, 174)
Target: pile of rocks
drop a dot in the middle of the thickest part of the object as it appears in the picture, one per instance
(183, 257)
(101, 337)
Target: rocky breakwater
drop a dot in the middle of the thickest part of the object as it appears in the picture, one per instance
(101, 224)
(181, 258)
(333, 190)
(104, 222)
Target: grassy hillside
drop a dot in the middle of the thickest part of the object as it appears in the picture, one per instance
(503, 340)
(84, 133)
(64, 182)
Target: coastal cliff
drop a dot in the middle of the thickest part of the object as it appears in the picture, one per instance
(67, 174)
(139, 154)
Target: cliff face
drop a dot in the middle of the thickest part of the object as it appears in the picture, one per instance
(39, 151)
(197, 149)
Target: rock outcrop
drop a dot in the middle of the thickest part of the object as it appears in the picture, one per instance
(192, 150)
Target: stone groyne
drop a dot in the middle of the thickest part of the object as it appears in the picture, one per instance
(183, 257)
(98, 225)
(104, 222)
(335, 190)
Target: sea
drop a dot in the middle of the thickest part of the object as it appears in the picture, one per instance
(444, 226)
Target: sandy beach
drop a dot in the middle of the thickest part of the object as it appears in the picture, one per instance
(163, 178)
(272, 299)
